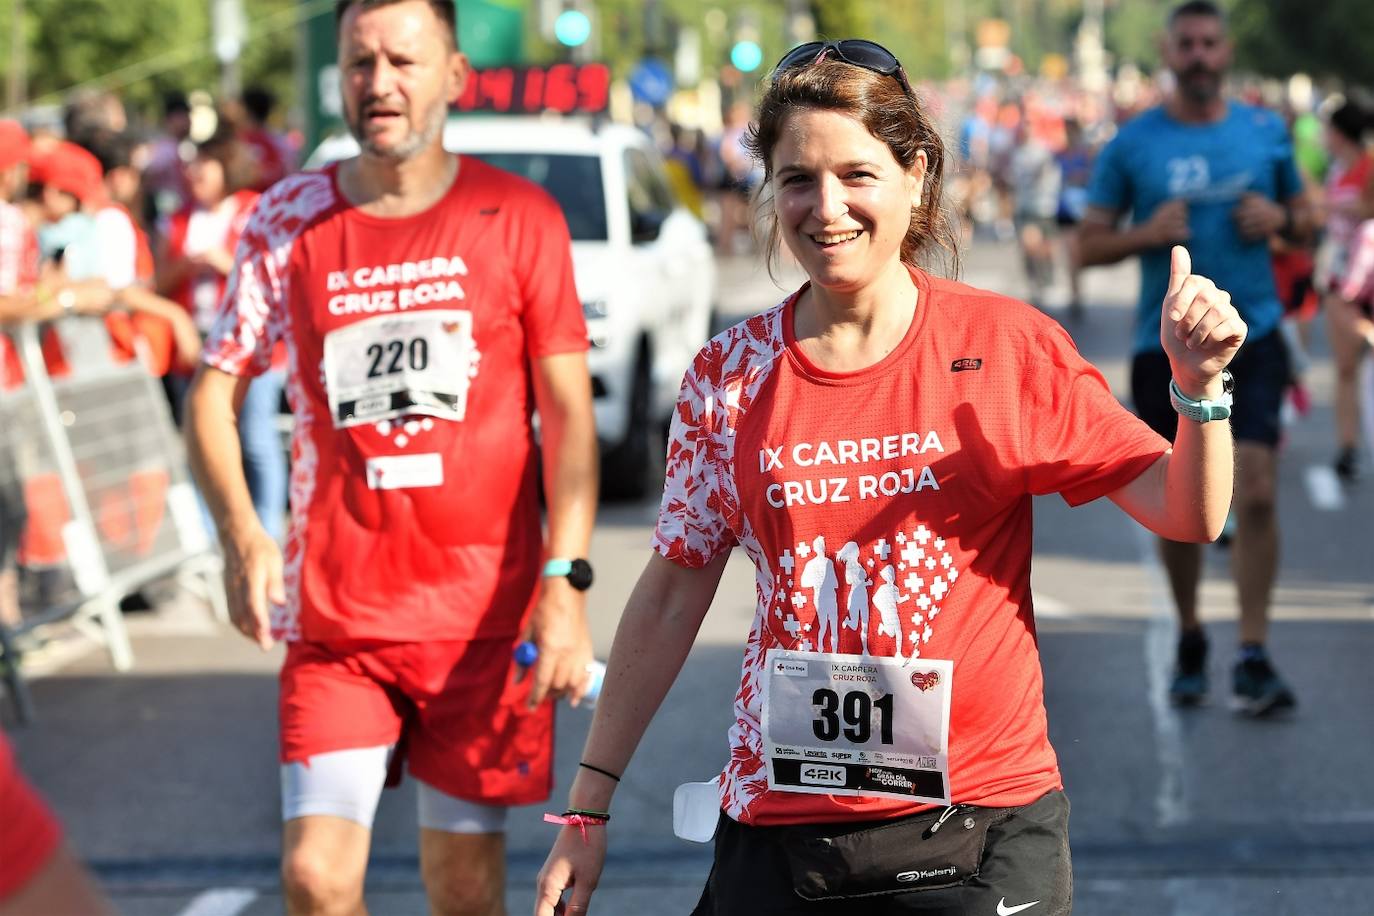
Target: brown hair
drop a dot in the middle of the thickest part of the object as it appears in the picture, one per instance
(444, 9)
(1196, 8)
(899, 120)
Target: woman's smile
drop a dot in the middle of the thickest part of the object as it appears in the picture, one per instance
(833, 241)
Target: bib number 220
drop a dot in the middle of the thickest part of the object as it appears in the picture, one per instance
(856, 708)
(397, 356)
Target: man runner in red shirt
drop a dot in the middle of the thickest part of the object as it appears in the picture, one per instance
(422, 298)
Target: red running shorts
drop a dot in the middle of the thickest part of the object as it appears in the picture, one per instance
(453, 709)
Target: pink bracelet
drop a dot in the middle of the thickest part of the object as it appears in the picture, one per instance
(580, 821)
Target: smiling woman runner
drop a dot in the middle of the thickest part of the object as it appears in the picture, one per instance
(890, 739)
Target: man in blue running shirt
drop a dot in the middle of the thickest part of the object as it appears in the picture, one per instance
(1218, 176)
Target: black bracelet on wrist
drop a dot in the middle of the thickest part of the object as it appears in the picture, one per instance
(596, 769)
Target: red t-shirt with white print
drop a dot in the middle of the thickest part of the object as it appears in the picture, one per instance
(905, 486)
(421, 525)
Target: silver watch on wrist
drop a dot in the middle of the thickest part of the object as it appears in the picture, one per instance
(1204, 411)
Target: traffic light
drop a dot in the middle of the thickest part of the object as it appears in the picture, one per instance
(572, 28)
(746, 56)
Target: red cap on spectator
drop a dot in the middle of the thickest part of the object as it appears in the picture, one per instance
(14, 144)
(69, 168)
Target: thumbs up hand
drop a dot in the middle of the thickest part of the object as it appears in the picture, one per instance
(1199, 327)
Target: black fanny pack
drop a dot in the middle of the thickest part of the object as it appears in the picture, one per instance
(941, 848)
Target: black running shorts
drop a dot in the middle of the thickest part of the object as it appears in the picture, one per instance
(1261, 370)
(1025, 860)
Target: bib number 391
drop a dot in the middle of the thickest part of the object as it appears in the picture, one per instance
(857, 708)
(857, 725)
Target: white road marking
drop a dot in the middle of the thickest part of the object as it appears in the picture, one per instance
(1048, 607)
(1171, 800)
(220, 901)
(1324, 488)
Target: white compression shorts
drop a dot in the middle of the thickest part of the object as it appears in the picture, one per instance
(349, 783)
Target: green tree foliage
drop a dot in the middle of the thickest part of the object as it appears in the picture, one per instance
(842, 18)
(76, 41)
(919, 32)
(269, 56)
(1330, 39)
(144, 48)
(1134, 31)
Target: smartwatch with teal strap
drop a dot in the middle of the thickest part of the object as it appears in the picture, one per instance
(1204, 411)
(578, 572)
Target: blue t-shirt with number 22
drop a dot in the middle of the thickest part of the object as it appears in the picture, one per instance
(1155, 158)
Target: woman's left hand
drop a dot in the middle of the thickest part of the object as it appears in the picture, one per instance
(1199, 327)
(574, 864)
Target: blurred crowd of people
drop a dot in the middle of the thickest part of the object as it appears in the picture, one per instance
(1026, 158)
(1337, 275)
(137, 229)
(1027, 152)
(713, 175)
(142, 212)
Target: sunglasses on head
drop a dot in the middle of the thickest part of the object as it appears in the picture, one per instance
(859, 52)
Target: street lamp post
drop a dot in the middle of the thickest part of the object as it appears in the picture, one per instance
(16, 87)
(1093, 12)
(1090, 46)
(227, 27)
(956, 36)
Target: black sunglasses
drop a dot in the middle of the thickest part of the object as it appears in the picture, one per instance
(859, 52)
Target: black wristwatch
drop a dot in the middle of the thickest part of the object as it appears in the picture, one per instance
(578, 572)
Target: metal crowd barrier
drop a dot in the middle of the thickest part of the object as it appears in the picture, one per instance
(89, 440)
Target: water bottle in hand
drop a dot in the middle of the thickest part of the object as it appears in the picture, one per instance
(527, 653)
(596, 673)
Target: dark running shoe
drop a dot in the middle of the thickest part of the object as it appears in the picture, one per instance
(1189, 686)
(1258, 689)
(1347, 465)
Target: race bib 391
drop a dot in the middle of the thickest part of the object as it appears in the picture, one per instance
(857, 725)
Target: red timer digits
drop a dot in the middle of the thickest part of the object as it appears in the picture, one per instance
(564, 88)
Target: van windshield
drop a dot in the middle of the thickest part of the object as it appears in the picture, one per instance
(573, 180)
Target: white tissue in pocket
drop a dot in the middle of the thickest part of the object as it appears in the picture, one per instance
(696, 810)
